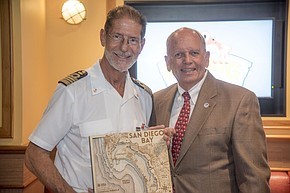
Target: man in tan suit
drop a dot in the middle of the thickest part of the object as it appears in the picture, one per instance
(224, 146)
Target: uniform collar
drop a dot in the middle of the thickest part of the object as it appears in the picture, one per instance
(97, 78)
(130, 89)
(100, 84)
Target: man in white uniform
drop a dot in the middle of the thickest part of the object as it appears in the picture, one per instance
(102, 99)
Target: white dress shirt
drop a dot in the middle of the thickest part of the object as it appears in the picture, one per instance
(179, 100)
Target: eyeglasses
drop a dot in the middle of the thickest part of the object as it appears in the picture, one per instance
(118, 38)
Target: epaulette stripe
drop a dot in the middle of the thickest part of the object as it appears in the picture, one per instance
(66, 82)
(82, 72)
(73, 77)
(70, 79)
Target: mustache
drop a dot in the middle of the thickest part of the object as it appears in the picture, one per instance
(123, 54)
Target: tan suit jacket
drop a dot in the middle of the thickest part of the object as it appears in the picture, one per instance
(224, 149)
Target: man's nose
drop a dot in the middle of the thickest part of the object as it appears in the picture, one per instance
(187, 58)
(125, 44)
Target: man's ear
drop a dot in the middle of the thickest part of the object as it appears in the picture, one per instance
(103, 37)
(167, 63)
(207, 58)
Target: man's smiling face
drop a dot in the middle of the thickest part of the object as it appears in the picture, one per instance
(186, 57)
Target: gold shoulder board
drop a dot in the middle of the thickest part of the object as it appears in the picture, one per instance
(142, 85)
(73, 77)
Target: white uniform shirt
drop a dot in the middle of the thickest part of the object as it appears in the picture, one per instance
(89, 106)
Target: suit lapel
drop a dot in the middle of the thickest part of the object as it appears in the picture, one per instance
(203, 107)
(166, 105)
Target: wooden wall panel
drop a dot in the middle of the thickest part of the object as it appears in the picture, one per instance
(278, 143)
(279, 153)
(14, 176)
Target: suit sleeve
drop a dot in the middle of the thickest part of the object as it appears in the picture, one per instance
(249, 148)
(152, 121)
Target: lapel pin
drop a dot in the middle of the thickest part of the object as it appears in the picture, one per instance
(206, 105)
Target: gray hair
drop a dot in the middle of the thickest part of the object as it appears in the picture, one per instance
(126, 11)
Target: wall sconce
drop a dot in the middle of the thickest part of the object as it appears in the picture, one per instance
(73, 12)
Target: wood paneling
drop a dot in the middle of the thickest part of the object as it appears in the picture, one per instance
(14, 176)
(278, 143)
(7, 72)
(279, 153)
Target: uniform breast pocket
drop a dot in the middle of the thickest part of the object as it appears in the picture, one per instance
(99, 127)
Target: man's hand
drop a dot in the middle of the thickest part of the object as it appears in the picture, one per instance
(168, 133)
